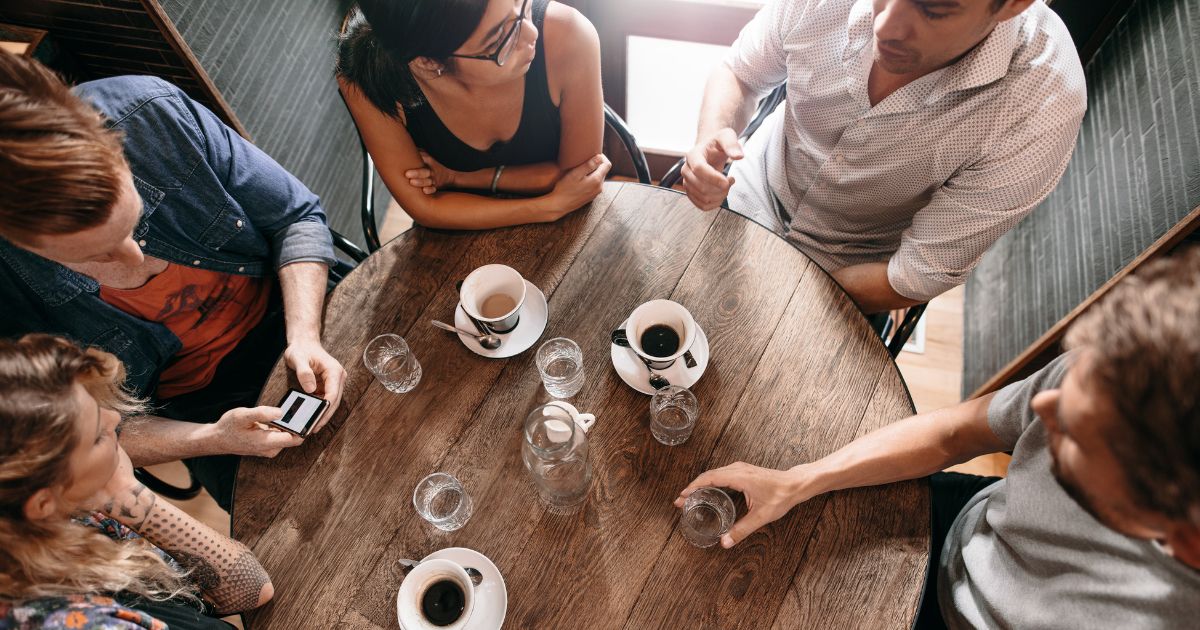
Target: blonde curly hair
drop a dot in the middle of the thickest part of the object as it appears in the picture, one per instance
(37, 436)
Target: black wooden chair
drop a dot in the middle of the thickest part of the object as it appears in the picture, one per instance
(371, 228)
(902, 331)
(895, 334)
(765, 107)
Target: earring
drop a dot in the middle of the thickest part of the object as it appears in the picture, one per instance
(440, 70)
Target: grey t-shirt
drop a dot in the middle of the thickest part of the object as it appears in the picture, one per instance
(1023, 554)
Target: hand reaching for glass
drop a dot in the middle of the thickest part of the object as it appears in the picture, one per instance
(769, 494)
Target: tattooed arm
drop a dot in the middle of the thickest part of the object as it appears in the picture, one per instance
(227, 573)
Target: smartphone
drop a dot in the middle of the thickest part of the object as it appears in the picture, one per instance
(300, 412)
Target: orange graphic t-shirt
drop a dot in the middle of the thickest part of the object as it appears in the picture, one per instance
(209, 311)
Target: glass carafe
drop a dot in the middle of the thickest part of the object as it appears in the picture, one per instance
(555, 452)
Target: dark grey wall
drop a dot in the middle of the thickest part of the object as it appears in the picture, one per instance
(272, 60)
(1135, 174)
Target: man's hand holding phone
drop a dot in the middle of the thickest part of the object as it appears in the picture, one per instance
(243, 431)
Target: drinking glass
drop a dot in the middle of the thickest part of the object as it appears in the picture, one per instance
(673, 413)
(560, 362)
(441, 500)
(708, 514)
(389, 358)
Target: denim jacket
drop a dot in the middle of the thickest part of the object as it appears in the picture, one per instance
(210, 200)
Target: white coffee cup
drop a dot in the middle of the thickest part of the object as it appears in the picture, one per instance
(419, 580)
(493, 294)
(660, 313)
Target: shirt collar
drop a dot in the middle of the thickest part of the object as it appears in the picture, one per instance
(56, 284)
(986, 63)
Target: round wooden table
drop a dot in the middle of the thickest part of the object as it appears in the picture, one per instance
(796, 373)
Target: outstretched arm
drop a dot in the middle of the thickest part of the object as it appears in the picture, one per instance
(152, 440)
(908, 449)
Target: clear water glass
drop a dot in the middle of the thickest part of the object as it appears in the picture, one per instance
(560, 362)
(673, 414)
(441, 500)
(708, 514)
(390, 359)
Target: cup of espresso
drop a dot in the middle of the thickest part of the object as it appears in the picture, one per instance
(493, 294)
(660, 331)
(436, 595)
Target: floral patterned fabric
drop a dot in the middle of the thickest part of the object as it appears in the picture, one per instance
(81, 612)
(76, 612)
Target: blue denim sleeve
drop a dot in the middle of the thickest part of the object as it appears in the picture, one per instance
(279, 206)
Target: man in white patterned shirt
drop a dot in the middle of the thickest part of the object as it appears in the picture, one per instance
(915, 133)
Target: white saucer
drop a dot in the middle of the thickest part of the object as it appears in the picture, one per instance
(491, 596)
(635, 374)
(535, 312)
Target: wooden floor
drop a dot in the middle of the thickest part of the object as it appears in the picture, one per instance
(935, 378)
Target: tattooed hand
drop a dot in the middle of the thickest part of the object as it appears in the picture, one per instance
(227, 573)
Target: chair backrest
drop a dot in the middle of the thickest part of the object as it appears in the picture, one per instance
(905, 330)
(765, 107)
(640, 165)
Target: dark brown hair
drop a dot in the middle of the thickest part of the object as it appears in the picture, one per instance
(381, 37)
(1142, 342)
(63, 168)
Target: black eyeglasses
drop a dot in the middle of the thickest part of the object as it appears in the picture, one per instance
(507, 44)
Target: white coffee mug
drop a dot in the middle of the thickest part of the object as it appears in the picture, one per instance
(660, 313)
(493, 294)
(419, 580)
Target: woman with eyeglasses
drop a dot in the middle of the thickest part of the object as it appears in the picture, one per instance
(83, 544)
(477, 113)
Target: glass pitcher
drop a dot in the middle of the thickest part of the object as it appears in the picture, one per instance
(555, 452)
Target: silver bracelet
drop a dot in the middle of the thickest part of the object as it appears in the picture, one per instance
(496, 177)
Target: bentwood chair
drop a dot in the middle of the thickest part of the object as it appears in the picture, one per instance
(765, 107)
(894, 334)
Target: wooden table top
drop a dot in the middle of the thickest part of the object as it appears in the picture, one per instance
(796, 373)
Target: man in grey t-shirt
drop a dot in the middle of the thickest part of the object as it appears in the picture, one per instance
(1098, 522)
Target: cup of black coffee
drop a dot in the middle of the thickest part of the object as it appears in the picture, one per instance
(660, 331)
(436, 595)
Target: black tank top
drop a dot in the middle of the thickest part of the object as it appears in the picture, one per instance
(537, 136)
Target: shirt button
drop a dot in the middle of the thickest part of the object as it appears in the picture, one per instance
(142, 243)
(839, 158)
(241, 269)
(239, 224)
(196, 263)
